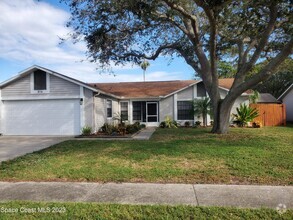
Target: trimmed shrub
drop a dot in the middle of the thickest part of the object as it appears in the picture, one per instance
(168, 123)
(131, 129)
(86, 130)
(163, 124)
(142, 126)
(108, 129)
(187, 124)
(197, 123)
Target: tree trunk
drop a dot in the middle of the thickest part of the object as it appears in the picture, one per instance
(222, 117)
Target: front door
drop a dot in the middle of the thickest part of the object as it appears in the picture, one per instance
(152, 113)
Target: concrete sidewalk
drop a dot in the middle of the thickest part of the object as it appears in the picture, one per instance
(147, 193)
(144, 134)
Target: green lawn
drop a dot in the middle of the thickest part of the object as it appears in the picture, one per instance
(185, 155)
(114, 211)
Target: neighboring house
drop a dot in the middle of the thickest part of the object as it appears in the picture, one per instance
(39, 101)
(267, 98)
(287, 99)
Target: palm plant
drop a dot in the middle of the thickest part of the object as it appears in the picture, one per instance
(144, 65)
(202, 107)
(118, 117)
(245, 114)
(254, 97)
(169, 123)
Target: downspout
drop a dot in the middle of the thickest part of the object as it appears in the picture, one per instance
(94, 110)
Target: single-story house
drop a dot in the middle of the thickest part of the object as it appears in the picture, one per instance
(287, 99)
(39, 101)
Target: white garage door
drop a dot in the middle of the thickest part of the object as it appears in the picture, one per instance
(41, 117)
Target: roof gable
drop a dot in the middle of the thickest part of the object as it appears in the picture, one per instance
(35, 67)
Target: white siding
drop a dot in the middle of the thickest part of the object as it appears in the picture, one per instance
(100, 112)
(239, 100)
(21, 88)
(166, 107)
(61, 87)
(288, 101)
(88, 108)
(186, 94)
(1, 118)
(115, 110)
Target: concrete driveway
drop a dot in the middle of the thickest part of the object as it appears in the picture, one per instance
(15, 146)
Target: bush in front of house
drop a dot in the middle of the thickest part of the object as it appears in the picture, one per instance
(244, 115)
(109, 129)
(133, 128)
(187, 124)
(197, 124)
(168, 123)
(142, 126)
(121, 129)
(162, 124)
(86, 130)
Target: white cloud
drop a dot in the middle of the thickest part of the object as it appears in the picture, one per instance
(29, 34)
(85, 74)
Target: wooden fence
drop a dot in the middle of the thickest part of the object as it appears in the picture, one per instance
(270, 114)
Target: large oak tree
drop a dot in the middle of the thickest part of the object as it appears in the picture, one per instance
(203, 32)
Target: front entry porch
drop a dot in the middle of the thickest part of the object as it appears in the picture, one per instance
(146, 112)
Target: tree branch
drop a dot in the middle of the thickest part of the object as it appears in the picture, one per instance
(250, 46)
(180, 9)
(163, 17)
(190, 23)
(266, 72)
(240, 45)
(213, 79)
(151, 57)
(190, 61)
(262, 43)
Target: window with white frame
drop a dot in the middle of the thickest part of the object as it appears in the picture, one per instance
(184, 110)
(109, 108)
(124, 111)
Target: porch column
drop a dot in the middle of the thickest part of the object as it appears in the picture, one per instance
(82, 102)
(130, 112)
(194, 95)
(175, 106)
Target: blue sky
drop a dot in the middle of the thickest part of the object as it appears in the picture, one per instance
(29, 34)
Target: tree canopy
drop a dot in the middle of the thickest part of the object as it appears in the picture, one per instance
(203, 32)
(277, 83)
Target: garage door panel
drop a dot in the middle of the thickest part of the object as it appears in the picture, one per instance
(42, 117)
